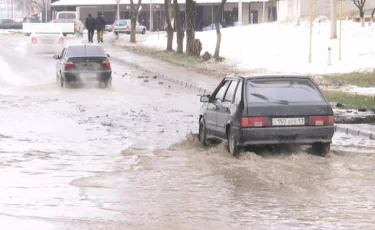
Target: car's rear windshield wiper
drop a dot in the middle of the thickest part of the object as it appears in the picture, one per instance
(284, 102)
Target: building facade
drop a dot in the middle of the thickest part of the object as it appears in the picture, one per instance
(292, 10)
(252, 11)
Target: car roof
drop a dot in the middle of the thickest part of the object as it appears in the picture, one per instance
(265, 76)
(80, 45)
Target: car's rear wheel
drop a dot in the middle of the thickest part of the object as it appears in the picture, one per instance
(203, 132)
(108, 83)
(322, 149)
(143, 31)
(233, 142)
(62, 82)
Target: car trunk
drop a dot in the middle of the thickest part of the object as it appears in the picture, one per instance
(88, 63)
(48, 38)
(290, 110)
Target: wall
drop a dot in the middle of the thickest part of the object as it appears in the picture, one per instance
(300, 9)
(258, 6)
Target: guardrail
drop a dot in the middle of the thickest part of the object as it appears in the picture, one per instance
(363, 133)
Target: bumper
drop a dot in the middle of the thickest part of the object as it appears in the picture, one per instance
(287, 135)
(46, 48)
(78, 76)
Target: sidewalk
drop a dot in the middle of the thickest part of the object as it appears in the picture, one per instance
(180, 75)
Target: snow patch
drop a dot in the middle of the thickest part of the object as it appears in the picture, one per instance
(284, 47)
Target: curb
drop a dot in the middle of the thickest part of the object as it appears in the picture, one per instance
(200, 90)
(355, 132)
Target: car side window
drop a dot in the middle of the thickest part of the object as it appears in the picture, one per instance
(238, 96)
(230, 92)
(219, 96)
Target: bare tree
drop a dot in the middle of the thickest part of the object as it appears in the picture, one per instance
(360, 5)
(31, 6)
(134, 19)
(217, 27)
(193, 46)
(169, 28)
(180, 32)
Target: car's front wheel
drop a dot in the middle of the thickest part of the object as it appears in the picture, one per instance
(203, 132)
(143, 31)
(322, 149)
(233, 142)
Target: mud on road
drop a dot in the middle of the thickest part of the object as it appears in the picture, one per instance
(129, 158)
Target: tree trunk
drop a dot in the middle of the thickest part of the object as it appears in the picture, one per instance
(333, 19)
(362, 16)
(190, 21)
(169, 27)
(133, 19)
(372, 16)
(217, 27)
(180, 32)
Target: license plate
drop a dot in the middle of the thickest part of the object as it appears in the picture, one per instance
(288, 121)
(48, 41)
(88, 76)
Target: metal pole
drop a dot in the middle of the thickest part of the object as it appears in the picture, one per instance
(239, 11)
(212, 16)
(151, 17)
(340, 30)
(118, 11)
(311, 27)
(46, 10)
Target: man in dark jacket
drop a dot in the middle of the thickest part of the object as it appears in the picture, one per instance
(100, 26)
(90, 26)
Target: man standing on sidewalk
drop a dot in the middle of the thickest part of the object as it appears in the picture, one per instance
(100, 26)
(90, 26)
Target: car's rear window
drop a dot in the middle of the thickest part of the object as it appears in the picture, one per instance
(66, 16)
(121, 22)
(86, 51)
(290, 90)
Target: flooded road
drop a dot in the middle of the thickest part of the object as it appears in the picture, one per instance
(128, 158)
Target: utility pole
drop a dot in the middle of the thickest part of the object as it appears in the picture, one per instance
(333, 19)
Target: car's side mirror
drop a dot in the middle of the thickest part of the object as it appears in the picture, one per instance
(56, 56)
(205, 98)
(108, 55)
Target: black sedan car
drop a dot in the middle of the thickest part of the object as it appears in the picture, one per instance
(267, 110)
(82, 63)
(8, 24)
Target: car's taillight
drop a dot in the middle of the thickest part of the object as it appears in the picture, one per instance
(248, 122)
(113, 26)
(321, 120)
(75, 22)
(106, 64)
(69, 65)
(33, 40)
(61, 40)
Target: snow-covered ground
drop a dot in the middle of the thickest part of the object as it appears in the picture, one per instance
(284, 47)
